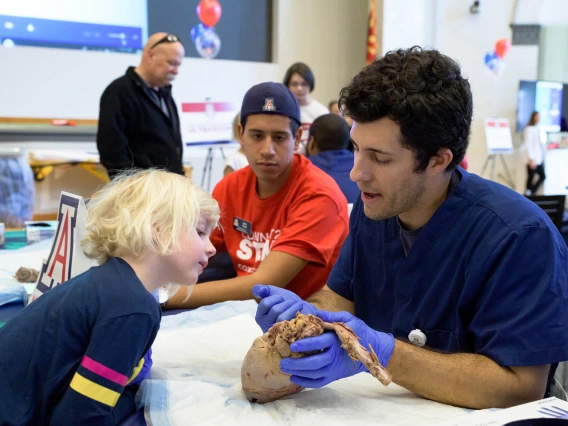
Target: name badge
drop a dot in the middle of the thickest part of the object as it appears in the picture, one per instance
(242, 225)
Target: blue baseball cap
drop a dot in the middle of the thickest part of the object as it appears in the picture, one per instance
(270, 98)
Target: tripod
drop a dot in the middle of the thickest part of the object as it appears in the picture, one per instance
(207, 166)
(492, 158)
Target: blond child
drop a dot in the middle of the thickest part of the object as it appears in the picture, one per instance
(71, 355)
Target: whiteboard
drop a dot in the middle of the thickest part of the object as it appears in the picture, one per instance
(498, 136)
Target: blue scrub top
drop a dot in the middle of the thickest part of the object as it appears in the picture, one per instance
(488, 274)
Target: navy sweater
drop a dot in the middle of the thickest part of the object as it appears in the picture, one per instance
(67, 358)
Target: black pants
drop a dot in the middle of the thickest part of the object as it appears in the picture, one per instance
(534, 186)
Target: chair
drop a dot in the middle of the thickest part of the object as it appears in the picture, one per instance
(553, 205)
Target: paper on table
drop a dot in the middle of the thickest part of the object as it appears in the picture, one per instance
(492, 417)
(10, 261)
(30, 257)
(197, 363)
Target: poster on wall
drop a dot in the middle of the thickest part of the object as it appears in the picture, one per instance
(206, 123)
(498, 136)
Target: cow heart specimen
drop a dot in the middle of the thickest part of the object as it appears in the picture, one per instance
(261, 377)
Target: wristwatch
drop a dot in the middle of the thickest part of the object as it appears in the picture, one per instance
(163, 296)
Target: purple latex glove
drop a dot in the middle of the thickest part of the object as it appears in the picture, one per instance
(144, 373)
(278, 304)
(332, 362)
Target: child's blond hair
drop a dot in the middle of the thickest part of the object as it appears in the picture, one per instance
(143, 212)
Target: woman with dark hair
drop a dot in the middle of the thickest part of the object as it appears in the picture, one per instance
(534, 154)
(300, 80)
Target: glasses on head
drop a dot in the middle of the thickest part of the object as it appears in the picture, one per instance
(168, 38)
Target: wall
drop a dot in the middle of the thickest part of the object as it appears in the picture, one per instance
(448, 26)
(65, 83)
(553, 64)
(405, 24)
(467, 38)
(329, 35)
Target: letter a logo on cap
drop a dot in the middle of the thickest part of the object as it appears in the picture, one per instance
(269, 105)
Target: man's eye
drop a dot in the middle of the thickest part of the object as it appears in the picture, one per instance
(382, 162)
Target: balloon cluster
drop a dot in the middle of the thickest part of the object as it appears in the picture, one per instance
(494, 59)
(207, 42)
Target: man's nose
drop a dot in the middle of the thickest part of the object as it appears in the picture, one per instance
(267, 146)
(359, 172)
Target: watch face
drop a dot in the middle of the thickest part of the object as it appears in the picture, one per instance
(162, 295)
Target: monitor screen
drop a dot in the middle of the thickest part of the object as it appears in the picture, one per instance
(108, 25)
(244, 30)
(546, 97)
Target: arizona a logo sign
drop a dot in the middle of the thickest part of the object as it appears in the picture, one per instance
(269, 105)
(66, 259)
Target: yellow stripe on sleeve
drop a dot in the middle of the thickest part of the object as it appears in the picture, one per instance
(137, 370)
(94, 391)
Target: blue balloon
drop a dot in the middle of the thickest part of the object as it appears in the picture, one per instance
(208, 43)
(197, 30)
(491, 60)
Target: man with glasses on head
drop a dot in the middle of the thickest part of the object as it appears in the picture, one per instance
(138, 118)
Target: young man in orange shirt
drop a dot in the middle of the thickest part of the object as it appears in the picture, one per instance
(283, 220)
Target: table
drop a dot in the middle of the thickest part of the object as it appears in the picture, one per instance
(196, 374)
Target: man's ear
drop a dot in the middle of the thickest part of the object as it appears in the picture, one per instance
(240, 132)
(311, 145)
(439, 162)
(298, 138)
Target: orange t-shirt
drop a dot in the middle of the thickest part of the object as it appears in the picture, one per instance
(306, 218)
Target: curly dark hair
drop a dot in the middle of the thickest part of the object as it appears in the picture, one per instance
(422, 91)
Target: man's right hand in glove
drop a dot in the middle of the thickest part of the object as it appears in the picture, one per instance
(278, 304)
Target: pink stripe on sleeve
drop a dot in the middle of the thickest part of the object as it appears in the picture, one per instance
(101, 370)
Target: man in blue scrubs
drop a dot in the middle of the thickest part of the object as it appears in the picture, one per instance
(459, 284)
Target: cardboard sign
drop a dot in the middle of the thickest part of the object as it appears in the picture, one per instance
(498, 136)
(66, 258)
(207, 122)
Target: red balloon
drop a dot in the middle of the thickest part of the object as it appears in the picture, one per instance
(209, 12)
(502, 46)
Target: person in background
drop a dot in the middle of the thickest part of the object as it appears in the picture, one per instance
(237, 160)
(334, 109)
(283, 219)
(71, 356)
(138, 119)
(17, 189)
(457, 283)
(327, 149)
(534, 154)
(299, 78)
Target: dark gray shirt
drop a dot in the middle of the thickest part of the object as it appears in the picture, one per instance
(408, 238)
